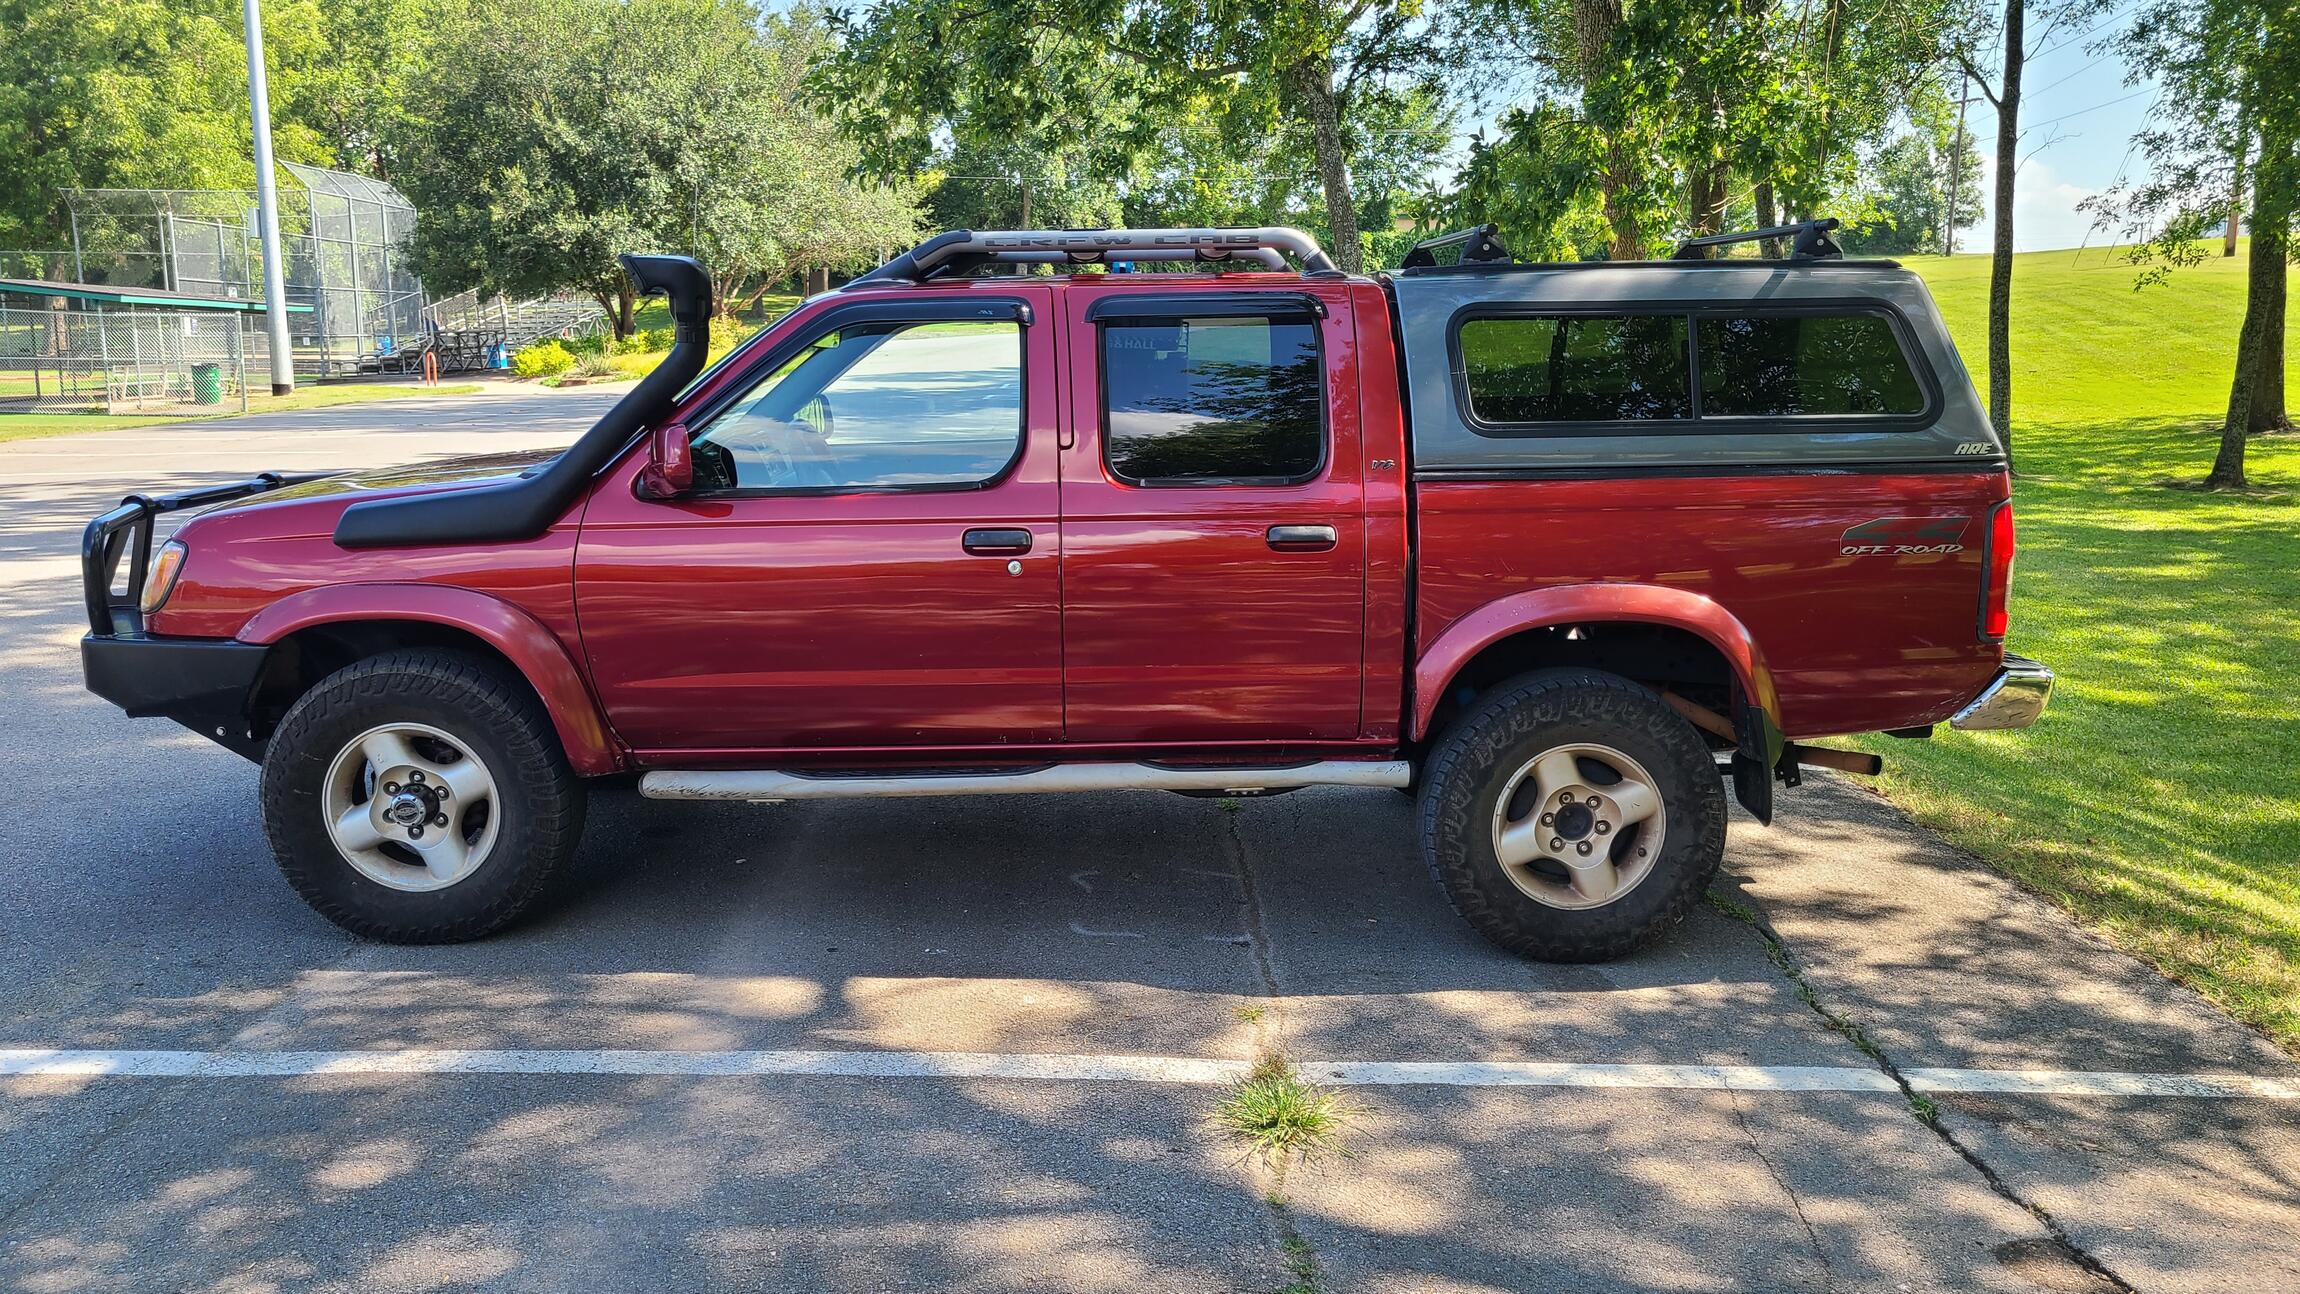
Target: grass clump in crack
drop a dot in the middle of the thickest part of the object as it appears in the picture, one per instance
(1282, 1116)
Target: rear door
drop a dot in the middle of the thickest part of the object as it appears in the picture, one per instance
(1213, 515)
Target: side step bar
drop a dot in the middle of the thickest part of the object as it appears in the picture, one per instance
(766, 784)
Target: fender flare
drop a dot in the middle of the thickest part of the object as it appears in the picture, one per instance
(533, 650)
(1589, 603)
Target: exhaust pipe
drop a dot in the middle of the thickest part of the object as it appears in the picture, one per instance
(504, 511)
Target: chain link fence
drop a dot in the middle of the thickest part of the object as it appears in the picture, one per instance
(124, 361)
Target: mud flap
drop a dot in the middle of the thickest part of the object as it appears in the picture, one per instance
(1759, 753)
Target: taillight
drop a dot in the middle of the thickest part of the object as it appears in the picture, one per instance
(1996, 593)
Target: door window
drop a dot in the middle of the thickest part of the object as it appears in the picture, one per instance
(1212, 401)
(875, 406)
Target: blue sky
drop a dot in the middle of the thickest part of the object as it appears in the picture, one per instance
(2078, 121)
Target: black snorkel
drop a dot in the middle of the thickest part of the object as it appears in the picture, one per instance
(526, 507)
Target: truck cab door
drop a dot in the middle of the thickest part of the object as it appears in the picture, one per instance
(1213, 515)
(869, 555)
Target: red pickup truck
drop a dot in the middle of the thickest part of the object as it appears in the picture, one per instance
(1562, 549)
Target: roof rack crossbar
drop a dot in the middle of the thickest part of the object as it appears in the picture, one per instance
(1478, 244)
(1811, 241)
(963, 249)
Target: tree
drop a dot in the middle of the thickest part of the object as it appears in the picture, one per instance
(2227, 120)
(132, 94)
(350, 92)
(543, 139)
(1656, 118)
(911, 67)
(1906, 194)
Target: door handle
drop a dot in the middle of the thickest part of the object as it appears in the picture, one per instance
(1302, 538)
(995, 542)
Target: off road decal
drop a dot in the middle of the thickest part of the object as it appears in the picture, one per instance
(1904, 537)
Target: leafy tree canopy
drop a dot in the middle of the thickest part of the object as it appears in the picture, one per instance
(133, 94)
(542, 139)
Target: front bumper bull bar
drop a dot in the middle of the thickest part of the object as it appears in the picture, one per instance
(202, 683)
(2013, 699)
(113, 607)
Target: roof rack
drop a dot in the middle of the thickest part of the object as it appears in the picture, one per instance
(961, 250)
(1812, 241)
(1479, 244)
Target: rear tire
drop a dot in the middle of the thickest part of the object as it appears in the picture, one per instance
(420, 797)
(1605, 803)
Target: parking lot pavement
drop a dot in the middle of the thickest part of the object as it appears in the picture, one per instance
(978, 955)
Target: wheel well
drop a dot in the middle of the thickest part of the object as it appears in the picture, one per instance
(1659, 656)
(298, 662)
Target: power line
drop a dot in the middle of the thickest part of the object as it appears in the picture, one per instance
(2039, 125)
(2070, 77)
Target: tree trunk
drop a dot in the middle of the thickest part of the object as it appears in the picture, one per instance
(626, 312)
(2268, 412)
(2000, 268)
(2235, 209)
(1768, 215)
(2273, 195)
(1707, 191)
(818, 280)
(1314, 81)
(1594, 22)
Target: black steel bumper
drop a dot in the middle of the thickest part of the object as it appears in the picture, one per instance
(201, 683)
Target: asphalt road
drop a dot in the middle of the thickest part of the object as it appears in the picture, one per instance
(142, 914)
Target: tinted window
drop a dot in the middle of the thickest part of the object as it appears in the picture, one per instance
(888, 404)
(1809, 365)
(1577, 368)
(1234, 400)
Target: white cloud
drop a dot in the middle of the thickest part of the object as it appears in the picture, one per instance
(2045, 215)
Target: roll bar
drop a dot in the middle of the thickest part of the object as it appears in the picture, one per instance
(961, 250)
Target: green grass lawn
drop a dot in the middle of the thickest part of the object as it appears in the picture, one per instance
(2159, 797)
(27, 426)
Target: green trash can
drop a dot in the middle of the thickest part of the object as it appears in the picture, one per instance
(207, 383)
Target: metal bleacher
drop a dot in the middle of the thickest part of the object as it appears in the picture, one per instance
(471, 331)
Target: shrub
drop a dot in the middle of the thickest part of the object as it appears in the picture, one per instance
(588, 343)
(543, 359)
(726, 332)
(655, 339)
(595, 366)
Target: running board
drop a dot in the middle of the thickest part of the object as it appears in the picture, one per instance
(766, 784)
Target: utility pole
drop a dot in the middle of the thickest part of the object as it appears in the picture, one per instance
(1956, 168)
(267, 206)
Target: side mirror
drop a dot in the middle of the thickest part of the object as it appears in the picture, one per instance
(670, 470)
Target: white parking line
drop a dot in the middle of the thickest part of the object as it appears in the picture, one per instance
(1123, 1069)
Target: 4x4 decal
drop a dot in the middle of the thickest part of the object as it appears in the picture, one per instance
(1904, 536)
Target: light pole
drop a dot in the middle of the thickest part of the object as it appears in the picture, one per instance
(267, 206)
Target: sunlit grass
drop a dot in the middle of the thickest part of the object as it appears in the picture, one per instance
(2159, 798)
(1278, 1115)
(27, 426)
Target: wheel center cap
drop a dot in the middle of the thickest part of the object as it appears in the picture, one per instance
(1574, 821)
(407, 809)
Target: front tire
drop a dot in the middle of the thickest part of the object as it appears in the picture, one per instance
(1571, 816)
(420, 797)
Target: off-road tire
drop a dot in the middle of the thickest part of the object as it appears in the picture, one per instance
(538, 799)
(1512, 724)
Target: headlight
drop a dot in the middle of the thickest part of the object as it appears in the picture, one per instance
(160, 581)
